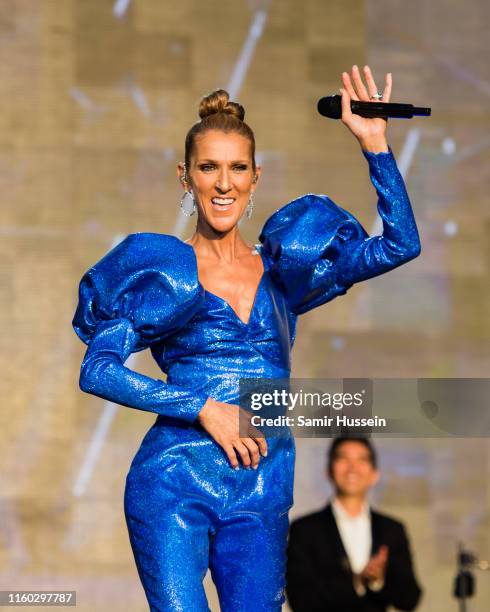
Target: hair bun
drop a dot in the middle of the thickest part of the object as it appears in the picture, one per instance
(218, 102)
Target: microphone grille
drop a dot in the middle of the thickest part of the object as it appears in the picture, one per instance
(330, 106)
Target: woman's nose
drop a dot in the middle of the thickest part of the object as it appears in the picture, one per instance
(223, 183)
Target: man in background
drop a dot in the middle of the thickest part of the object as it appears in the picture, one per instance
(348, 557)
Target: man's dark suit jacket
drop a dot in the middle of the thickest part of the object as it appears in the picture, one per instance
(319, 577)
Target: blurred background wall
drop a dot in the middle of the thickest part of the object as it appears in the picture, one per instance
(96, 98)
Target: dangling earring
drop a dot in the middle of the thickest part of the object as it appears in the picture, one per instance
(186, 197)
(250, 205)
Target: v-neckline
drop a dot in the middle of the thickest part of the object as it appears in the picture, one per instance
(227, 305)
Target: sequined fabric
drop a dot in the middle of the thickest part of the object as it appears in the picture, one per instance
(186, 509)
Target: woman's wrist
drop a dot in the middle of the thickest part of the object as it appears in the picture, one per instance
(374, 144)
(205, 409)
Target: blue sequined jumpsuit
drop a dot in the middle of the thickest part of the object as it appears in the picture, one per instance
(186, 509)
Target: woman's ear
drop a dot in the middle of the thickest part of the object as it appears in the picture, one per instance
(181, 174)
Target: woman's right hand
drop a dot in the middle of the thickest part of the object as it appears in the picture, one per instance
(224, 422)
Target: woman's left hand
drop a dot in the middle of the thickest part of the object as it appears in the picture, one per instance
(365, 129)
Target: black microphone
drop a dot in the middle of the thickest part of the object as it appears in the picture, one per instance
(331, 106)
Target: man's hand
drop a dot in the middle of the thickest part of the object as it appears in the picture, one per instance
(376, 566)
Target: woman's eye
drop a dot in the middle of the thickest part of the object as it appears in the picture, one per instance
(208, 167)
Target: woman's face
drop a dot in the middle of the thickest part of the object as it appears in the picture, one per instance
(221, 177)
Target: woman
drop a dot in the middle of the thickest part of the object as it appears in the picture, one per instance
(212, 310)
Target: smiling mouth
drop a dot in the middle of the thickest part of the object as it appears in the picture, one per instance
(222, 204)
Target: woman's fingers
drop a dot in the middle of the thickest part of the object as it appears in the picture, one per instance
(346, 109)
(370, 81)
(257, 438)
(388, 86)
(348, 86)
(262, 444)
(360, 88)
(361, 92)
(372, 85)
(243, 450)
(253, 450)
(249, 431)
(230, 453)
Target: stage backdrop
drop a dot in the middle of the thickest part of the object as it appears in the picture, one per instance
(96, 97)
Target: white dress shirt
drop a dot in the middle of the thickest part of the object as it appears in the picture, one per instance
(356, 535)
(355, 532)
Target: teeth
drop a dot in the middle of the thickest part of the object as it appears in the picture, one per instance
(223, 201)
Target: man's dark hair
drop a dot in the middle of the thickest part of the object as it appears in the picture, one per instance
(337, 442)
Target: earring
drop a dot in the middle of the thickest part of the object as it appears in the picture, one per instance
(185, 198)
(250, 205)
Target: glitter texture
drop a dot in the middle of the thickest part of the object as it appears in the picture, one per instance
(186, 508)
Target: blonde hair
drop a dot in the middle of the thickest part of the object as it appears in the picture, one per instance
(218, 113)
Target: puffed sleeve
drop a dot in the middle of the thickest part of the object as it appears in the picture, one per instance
(319, 250)
(141, 291)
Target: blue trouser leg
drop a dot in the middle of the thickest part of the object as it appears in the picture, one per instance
(171, 551)
(248, 561)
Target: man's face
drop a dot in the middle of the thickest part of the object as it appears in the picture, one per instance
(352, 470)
